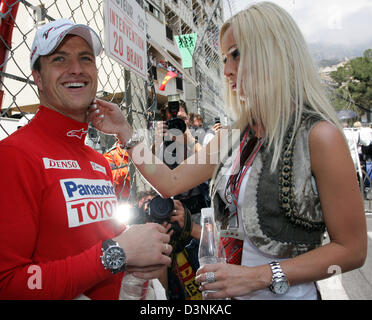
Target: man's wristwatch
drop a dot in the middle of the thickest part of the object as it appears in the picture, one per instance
(113, 256)
(279, 283)
(134, 140)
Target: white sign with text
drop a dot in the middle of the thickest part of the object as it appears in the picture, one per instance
(125, 34)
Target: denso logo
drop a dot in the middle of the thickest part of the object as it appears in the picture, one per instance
(88, 201)
(60, 164)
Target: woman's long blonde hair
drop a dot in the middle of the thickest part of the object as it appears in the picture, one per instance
(276, 74)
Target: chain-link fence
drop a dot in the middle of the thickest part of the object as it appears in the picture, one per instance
(199, 86)
(207, 71)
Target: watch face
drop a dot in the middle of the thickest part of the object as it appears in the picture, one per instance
(281, 287)
(115, 258)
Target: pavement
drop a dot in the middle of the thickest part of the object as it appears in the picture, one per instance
(333, 287)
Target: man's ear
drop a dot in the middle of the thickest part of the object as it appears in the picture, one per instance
(37, 78)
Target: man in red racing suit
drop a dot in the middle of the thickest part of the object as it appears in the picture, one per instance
(57, 197)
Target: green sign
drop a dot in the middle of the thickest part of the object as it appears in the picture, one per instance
(186, 45)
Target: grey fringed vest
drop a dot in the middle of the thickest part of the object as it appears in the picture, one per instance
(281, 212)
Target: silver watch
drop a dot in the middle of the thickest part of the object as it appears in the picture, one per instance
(134, 140)
(279, 283)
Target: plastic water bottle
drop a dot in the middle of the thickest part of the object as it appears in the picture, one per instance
(208, 247)
(132, 288)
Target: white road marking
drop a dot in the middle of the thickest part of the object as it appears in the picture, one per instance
(332, 288)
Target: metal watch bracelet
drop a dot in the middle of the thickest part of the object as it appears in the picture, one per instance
(133, 140)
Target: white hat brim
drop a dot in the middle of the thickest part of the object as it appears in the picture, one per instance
(83, 31)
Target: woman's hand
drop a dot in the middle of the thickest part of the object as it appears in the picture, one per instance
(108, 118)
(233, 280)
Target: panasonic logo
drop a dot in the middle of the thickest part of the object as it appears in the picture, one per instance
(88, 201)
(76, 190)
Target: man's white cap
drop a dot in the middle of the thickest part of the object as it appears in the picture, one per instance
(50, 35)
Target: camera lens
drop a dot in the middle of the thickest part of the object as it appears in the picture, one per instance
(176, 123)
(160, 209)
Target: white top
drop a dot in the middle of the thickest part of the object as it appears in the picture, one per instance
(252, 257)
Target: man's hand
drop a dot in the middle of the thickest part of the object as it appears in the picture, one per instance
(146, 245)
(156, 272)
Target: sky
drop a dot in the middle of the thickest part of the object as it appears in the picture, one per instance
(345, 22)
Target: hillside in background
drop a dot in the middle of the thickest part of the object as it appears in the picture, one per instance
(329, 55)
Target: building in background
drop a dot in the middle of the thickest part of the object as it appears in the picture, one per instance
(199, 86)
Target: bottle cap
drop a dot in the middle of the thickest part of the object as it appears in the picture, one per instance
(207, 212)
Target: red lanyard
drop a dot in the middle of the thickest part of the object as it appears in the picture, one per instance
(246, 166)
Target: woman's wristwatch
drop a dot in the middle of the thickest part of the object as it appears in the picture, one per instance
(134, 140)
(279, 283)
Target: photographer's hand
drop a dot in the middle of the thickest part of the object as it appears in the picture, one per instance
(216, 127)
(188, 138)
(178, 214)
(161, 130)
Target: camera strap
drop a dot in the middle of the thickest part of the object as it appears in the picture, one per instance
(181, 240)
(181, 267)
(187, 274)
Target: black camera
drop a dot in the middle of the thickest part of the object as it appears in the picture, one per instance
(217, 120)
(159, 210)
(173, 108)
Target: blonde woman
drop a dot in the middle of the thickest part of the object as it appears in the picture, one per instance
(287, 179)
